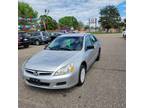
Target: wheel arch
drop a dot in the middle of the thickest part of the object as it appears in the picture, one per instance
(85, 64)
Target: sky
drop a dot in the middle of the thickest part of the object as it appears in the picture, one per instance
(81, 9)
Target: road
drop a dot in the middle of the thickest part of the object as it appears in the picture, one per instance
(105, 85)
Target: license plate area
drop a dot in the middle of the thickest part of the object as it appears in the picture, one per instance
(37, 82)
(34, 81)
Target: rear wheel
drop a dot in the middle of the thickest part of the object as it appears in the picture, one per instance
(82, 75)
(37, 42)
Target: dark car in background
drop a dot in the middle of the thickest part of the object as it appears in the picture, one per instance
(53, 35)
(39, 37)
(23, 39)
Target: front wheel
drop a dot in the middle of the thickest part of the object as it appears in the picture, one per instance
(124, 36)
(26, 46)
(82, 75)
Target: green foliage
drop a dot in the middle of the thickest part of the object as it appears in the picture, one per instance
(26, 11)
(69, 21)
(81, 25)
(110, 17)
(123, 24)
(86, 27)
(50, 23)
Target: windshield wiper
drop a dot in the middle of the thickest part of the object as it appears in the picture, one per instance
(52, 48)
(68, 49)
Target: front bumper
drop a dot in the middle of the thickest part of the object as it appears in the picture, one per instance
(23, 43)
(51, 82)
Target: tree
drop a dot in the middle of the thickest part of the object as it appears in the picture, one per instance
(26, 11)
(86, 27)
(109, 17)
(69, 21)
(123, 24)
(49, 22)
(81, 24)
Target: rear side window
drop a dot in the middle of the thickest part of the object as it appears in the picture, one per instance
(44, 33)
(36, 34)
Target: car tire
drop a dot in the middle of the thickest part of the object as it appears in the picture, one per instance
(82, 75)
(26, 46)
(37, 43)
(124, 36)
(99, 53)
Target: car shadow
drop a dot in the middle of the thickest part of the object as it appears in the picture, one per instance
(22, 48)
(121, 37)
(62, 92)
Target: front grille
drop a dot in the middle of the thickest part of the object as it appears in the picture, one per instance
(38, 73)
(45, 73)
(28, 71)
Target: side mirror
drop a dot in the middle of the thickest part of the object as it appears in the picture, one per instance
(89, 47)
(46, 46)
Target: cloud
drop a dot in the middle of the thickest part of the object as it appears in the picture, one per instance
(81, 9)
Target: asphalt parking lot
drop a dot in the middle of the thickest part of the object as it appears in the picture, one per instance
(105, 85)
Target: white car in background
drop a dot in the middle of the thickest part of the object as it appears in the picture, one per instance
(124, 34)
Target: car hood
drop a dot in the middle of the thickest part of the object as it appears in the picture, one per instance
(48, 60)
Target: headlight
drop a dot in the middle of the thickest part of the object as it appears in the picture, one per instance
(23, 65)
(25, 39)
(65, 70)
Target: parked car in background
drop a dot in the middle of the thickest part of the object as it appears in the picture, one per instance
(63, 31)
(39, 37)
(53, 35)
(63, 63)
(23, 39)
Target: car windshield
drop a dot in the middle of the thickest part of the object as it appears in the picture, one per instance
(67, 43)
(21, 34)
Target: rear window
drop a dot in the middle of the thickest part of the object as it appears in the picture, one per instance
(35, 33)
(44, 33)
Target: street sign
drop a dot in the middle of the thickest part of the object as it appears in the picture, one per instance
(92, 20)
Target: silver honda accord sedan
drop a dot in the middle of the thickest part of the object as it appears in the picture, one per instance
(63, 63)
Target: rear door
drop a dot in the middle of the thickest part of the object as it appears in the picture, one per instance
(88, 52)
(34, 36)
(95, 44)
(44, 36)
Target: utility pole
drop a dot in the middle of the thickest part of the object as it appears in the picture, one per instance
(43, 20)
(95, 23)
(89, 24)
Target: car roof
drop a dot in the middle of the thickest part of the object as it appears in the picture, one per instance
(74, 35)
